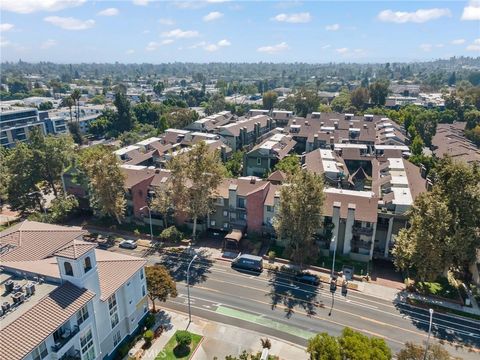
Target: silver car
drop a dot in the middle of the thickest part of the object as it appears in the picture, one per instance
(128, 244)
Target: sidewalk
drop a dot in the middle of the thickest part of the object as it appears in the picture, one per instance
(221, 340)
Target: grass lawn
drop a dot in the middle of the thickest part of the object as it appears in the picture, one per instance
(359, 268)
(168, 354)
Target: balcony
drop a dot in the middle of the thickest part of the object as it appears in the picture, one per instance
(358, 230)
(72, 354)
(64, 337)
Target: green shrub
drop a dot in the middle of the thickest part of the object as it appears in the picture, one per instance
(171, 234)
(271, 255)
(183, 337)
(149, 321)
(148, 336)
(123, 350)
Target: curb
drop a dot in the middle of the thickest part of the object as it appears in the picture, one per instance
(198, 346)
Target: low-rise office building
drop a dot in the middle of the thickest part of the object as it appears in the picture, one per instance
(16, 123)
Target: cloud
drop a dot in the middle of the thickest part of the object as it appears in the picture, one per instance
(458, 42)
(326, 46)
(189, 4)
(130, 52)
(426, 47)
(167, 22)
(304, 17)
(4, 42)
(31, 6)
(153, 45)
(272, 49)
(343, 50)
(224, 42)
(6, 27)
(108, 12)
(475, 46)
(211, 47)
(214, 15)
(48, 44)
(217, 1)
(419, 16)
(70, 23)
(472, 11)
(333, 27)
(140, 2)
(180, 34)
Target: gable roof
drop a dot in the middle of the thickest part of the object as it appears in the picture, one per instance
(45, 317)
(75, 249)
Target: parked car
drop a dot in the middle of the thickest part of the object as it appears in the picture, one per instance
(128, 244)
(307, 278)
(248, 262)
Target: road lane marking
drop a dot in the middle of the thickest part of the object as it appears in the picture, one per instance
(262, 320)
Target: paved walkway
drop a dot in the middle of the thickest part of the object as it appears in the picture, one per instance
(220, 340)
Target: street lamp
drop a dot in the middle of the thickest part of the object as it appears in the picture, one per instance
(429, 332)
(188, 289)
(334, 252)
(150, 216)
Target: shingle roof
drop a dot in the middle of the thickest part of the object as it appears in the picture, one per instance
(366, 206)
(134, 176)
(277, 176)
(24, 239)
(75, 249)
(41, 320)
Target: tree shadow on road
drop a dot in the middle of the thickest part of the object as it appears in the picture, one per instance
(286, 292)
(177, 264)
(442, 330)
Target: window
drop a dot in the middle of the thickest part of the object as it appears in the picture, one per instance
(241, 202)
(269, 208)
(141, 274)
(259, 161)
(40, 352)
(68, 269)
(87, 264)
(86, 344)
(112, 307)
(117, 338)
(143, 290)
(212, 222)
(244, 216)
(82, 315)
(225, 225)
(225, 213)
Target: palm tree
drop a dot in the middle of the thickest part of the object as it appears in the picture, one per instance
(76, 95)
(68, 102)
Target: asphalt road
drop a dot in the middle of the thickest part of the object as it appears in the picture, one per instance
(276, 305)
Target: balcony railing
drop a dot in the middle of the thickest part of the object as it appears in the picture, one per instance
(358, 230)
(72, 356)
(64, 338)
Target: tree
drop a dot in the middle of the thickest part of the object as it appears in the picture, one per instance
(306, 101)
(129, 138)
(158, 88)
(68, 102)
(4, 177)
(76, 95)
(124, 119)
(47, 105)
(289, 164)
(160, 284)
(425, 126)
(379, 92)
(269, 98)
(342, 102)
(359, 98)
(61, 208)
(162, 202)
(50, 155)
(23, 178)
(356, 346)
(234, 165)
(76, 133)
(417, 146)
(444, 223)
(98, 99)
(299, 215)
(106, 181)
(324, 347)
(171, 234)
(179, 118)
(183, 338)
(195, 176)
(413, 351)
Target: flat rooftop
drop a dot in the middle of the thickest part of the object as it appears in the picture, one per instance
(41, 290)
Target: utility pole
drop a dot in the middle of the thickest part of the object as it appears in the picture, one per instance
(429, 332)
(188, 289)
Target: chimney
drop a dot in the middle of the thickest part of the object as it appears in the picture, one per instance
(335, 125)
(306, 122)
(294, 121)
(364, 126)
(253, 180)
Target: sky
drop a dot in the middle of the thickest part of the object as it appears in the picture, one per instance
(149, 31)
